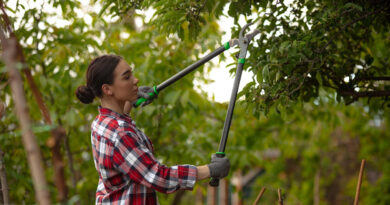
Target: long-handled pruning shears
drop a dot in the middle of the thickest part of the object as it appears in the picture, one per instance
(243, 43)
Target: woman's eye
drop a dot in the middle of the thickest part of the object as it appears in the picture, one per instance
(127, 77)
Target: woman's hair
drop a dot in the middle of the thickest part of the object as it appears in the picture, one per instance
(100, 71)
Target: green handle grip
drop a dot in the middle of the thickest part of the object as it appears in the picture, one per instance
(142, 100)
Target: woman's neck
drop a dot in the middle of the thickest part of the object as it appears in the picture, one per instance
(113, 104)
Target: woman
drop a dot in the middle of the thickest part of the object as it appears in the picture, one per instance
(128, 171)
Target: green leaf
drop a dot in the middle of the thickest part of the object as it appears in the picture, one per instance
(319, 78)
(353, 6)
(265, 73)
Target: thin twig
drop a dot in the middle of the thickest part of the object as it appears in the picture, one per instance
(359, 182)
(259, 196)
(280, 197)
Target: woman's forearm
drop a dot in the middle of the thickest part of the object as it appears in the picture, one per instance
(203, 172)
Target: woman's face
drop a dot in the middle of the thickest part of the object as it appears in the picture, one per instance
(125, 83)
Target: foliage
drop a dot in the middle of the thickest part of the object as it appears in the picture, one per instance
(304, 46)
(311, 56)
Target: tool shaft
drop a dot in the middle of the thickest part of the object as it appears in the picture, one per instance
(190, 68)
(232, 103)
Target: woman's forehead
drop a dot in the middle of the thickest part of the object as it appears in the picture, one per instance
(122, 67)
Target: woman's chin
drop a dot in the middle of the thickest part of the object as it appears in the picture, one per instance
(133, 100)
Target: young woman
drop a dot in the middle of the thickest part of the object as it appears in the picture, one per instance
(128, 171)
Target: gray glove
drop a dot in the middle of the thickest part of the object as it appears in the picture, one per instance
(143, 92)
(219, 167)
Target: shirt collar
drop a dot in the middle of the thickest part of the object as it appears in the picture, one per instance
(109, 112)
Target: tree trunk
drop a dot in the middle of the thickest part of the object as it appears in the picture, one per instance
(211, 193)
(3, 180)
(199, 196)
(29, 141)
(54, 140)
(178, 196)
(54, 143)
(316, 191)
(237, 181)
(70, 161)
(223, 197)
(2, 109)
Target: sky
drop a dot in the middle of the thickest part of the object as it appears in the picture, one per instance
(219, 90)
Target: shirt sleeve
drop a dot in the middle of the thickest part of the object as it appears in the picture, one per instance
(134, 159)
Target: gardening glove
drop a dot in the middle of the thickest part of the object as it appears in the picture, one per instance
(219, 166)
(143, 92)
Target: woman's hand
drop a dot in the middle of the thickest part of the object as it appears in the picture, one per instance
(149, 93)
(218, 168)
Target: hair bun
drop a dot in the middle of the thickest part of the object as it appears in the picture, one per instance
(85, 94)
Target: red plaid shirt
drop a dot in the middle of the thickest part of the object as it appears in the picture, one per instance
(128, 171)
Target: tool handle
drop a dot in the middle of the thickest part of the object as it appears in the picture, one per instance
(214, 182)
(142, 100)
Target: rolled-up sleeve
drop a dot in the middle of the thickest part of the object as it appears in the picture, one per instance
(135, 160)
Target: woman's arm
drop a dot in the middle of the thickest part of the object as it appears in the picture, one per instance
(203, 172)
(135, 160)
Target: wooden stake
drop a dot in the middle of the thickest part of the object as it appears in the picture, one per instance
(280, 197)
(359, 182)
(259, 196)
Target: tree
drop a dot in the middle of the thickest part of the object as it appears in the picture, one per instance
(305, 46)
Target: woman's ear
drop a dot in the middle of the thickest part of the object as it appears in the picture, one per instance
(107, 90)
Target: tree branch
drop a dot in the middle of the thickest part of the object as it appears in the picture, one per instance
(351, 23)
(378, 93)
(385, 78)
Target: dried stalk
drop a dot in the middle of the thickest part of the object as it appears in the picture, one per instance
(259, 196)
(280, 197)
(359, 182)
(3, 180)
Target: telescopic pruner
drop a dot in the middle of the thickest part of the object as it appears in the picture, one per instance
(243, 44)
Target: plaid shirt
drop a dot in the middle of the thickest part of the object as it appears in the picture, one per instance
(128, 171)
